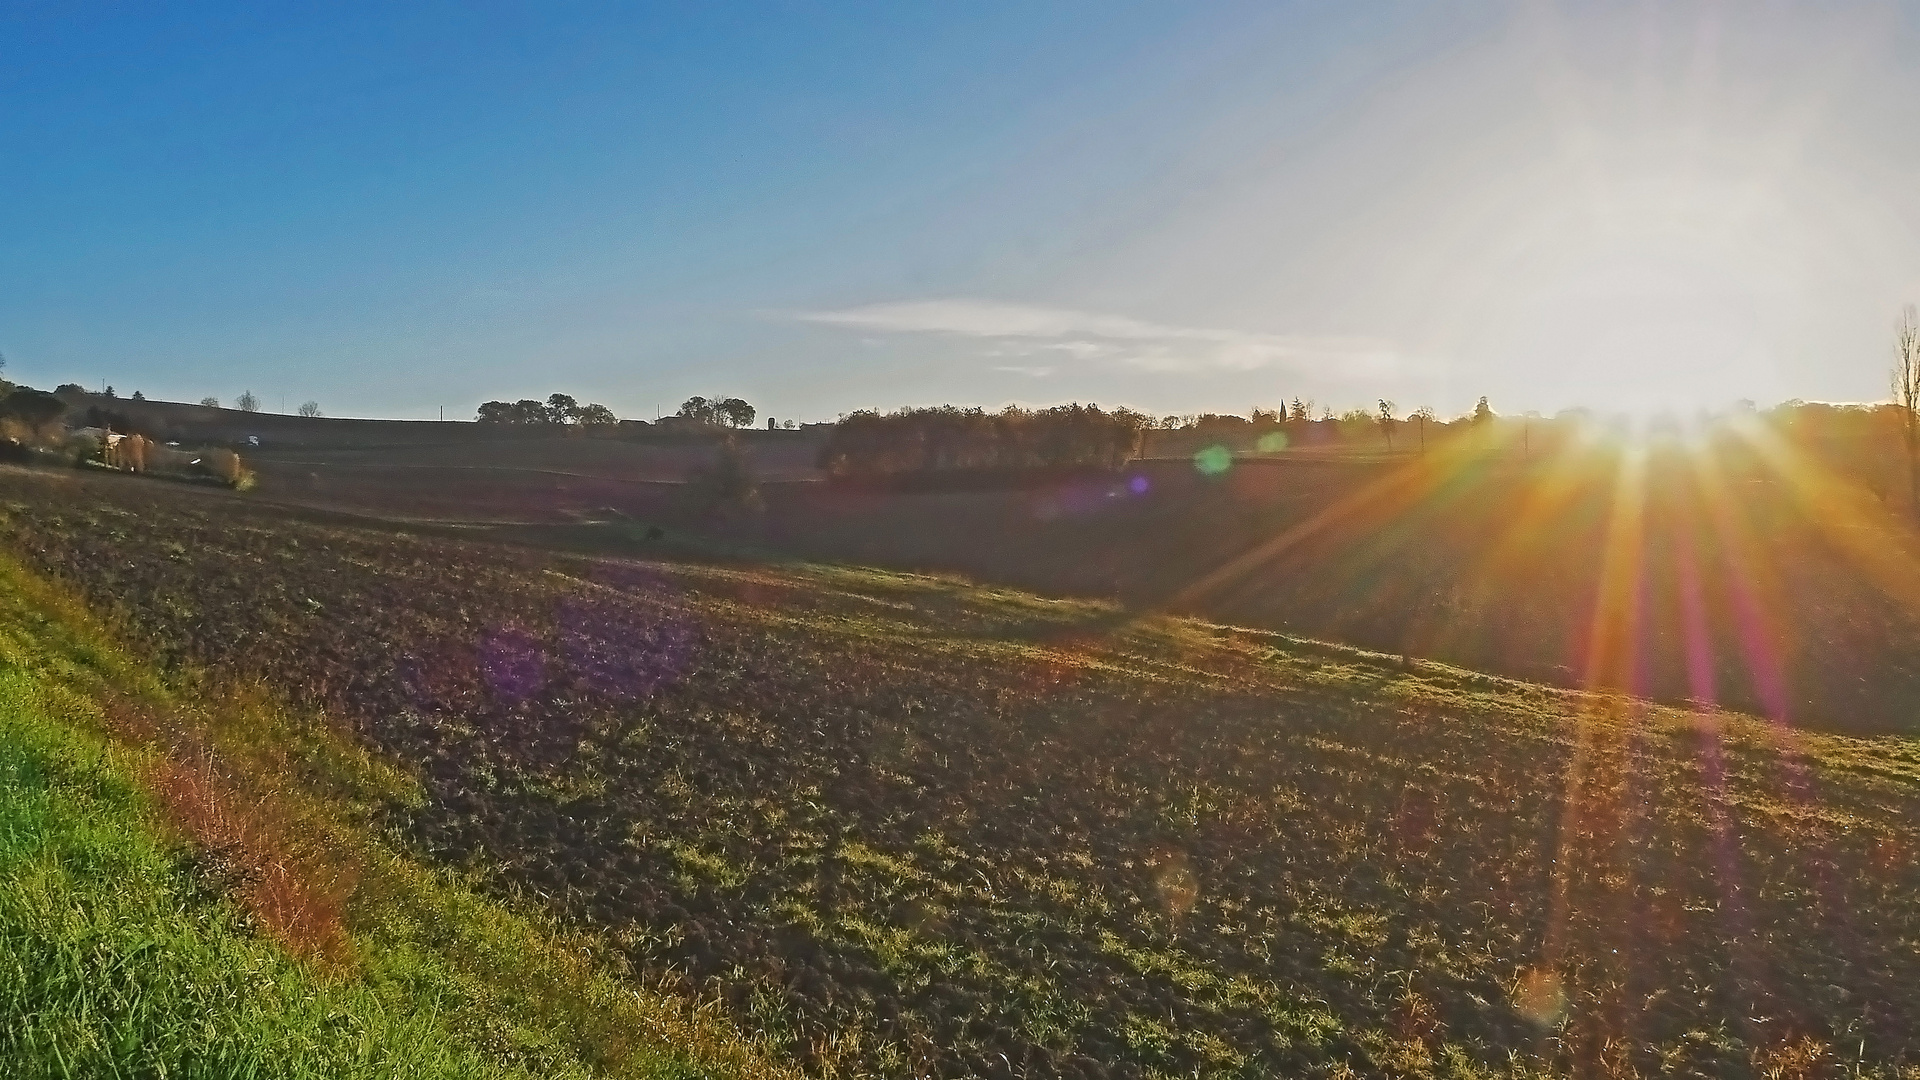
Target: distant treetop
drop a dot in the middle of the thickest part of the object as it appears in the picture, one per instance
(596, 416)
(721, 412)
(558, 409)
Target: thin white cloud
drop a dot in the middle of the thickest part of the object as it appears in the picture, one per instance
(1038, 371)
(1027, 329)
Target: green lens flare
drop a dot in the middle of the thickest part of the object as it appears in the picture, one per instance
(1214, 460)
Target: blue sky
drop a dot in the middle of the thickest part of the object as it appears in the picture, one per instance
(821, 207)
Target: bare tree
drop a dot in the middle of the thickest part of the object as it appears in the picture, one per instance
(247, 402)
(1906, 398)
(209, 402)
(1423, 414)
(310, 409)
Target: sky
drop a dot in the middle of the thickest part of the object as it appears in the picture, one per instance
(1180, 207)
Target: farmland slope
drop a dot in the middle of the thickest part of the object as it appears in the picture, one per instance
(1778, 576)
(188, 889)
(901, 826)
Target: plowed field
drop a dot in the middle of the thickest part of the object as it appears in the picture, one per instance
(913, 827)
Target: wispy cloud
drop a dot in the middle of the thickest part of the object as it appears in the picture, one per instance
(1032, 330)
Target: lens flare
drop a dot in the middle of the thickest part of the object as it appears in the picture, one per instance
(1213, 461)
(1681, 534)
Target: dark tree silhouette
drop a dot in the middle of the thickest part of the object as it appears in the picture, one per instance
(558, 409)
(35, 409)
(720, 412)
(946, 438)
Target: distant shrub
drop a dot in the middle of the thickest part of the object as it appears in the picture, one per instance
(133, 452)
(78, 450)
(726, 485)
(210, 466)
(164, 459)
(35, 410)
(310, 409)
(224, 464)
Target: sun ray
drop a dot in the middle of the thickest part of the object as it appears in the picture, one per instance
(1846, 516)
(1610, 644)
(1358, 513)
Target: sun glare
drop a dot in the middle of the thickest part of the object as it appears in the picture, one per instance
(961, 540)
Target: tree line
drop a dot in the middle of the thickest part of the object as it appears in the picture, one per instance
(947, 438)
(564, 410)
(557, 410)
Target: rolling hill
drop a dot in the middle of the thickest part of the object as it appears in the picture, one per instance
(903, 825)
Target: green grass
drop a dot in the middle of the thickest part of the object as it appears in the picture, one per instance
(119, 961)
(124, 950)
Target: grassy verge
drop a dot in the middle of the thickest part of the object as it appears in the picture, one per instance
(198, 889)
